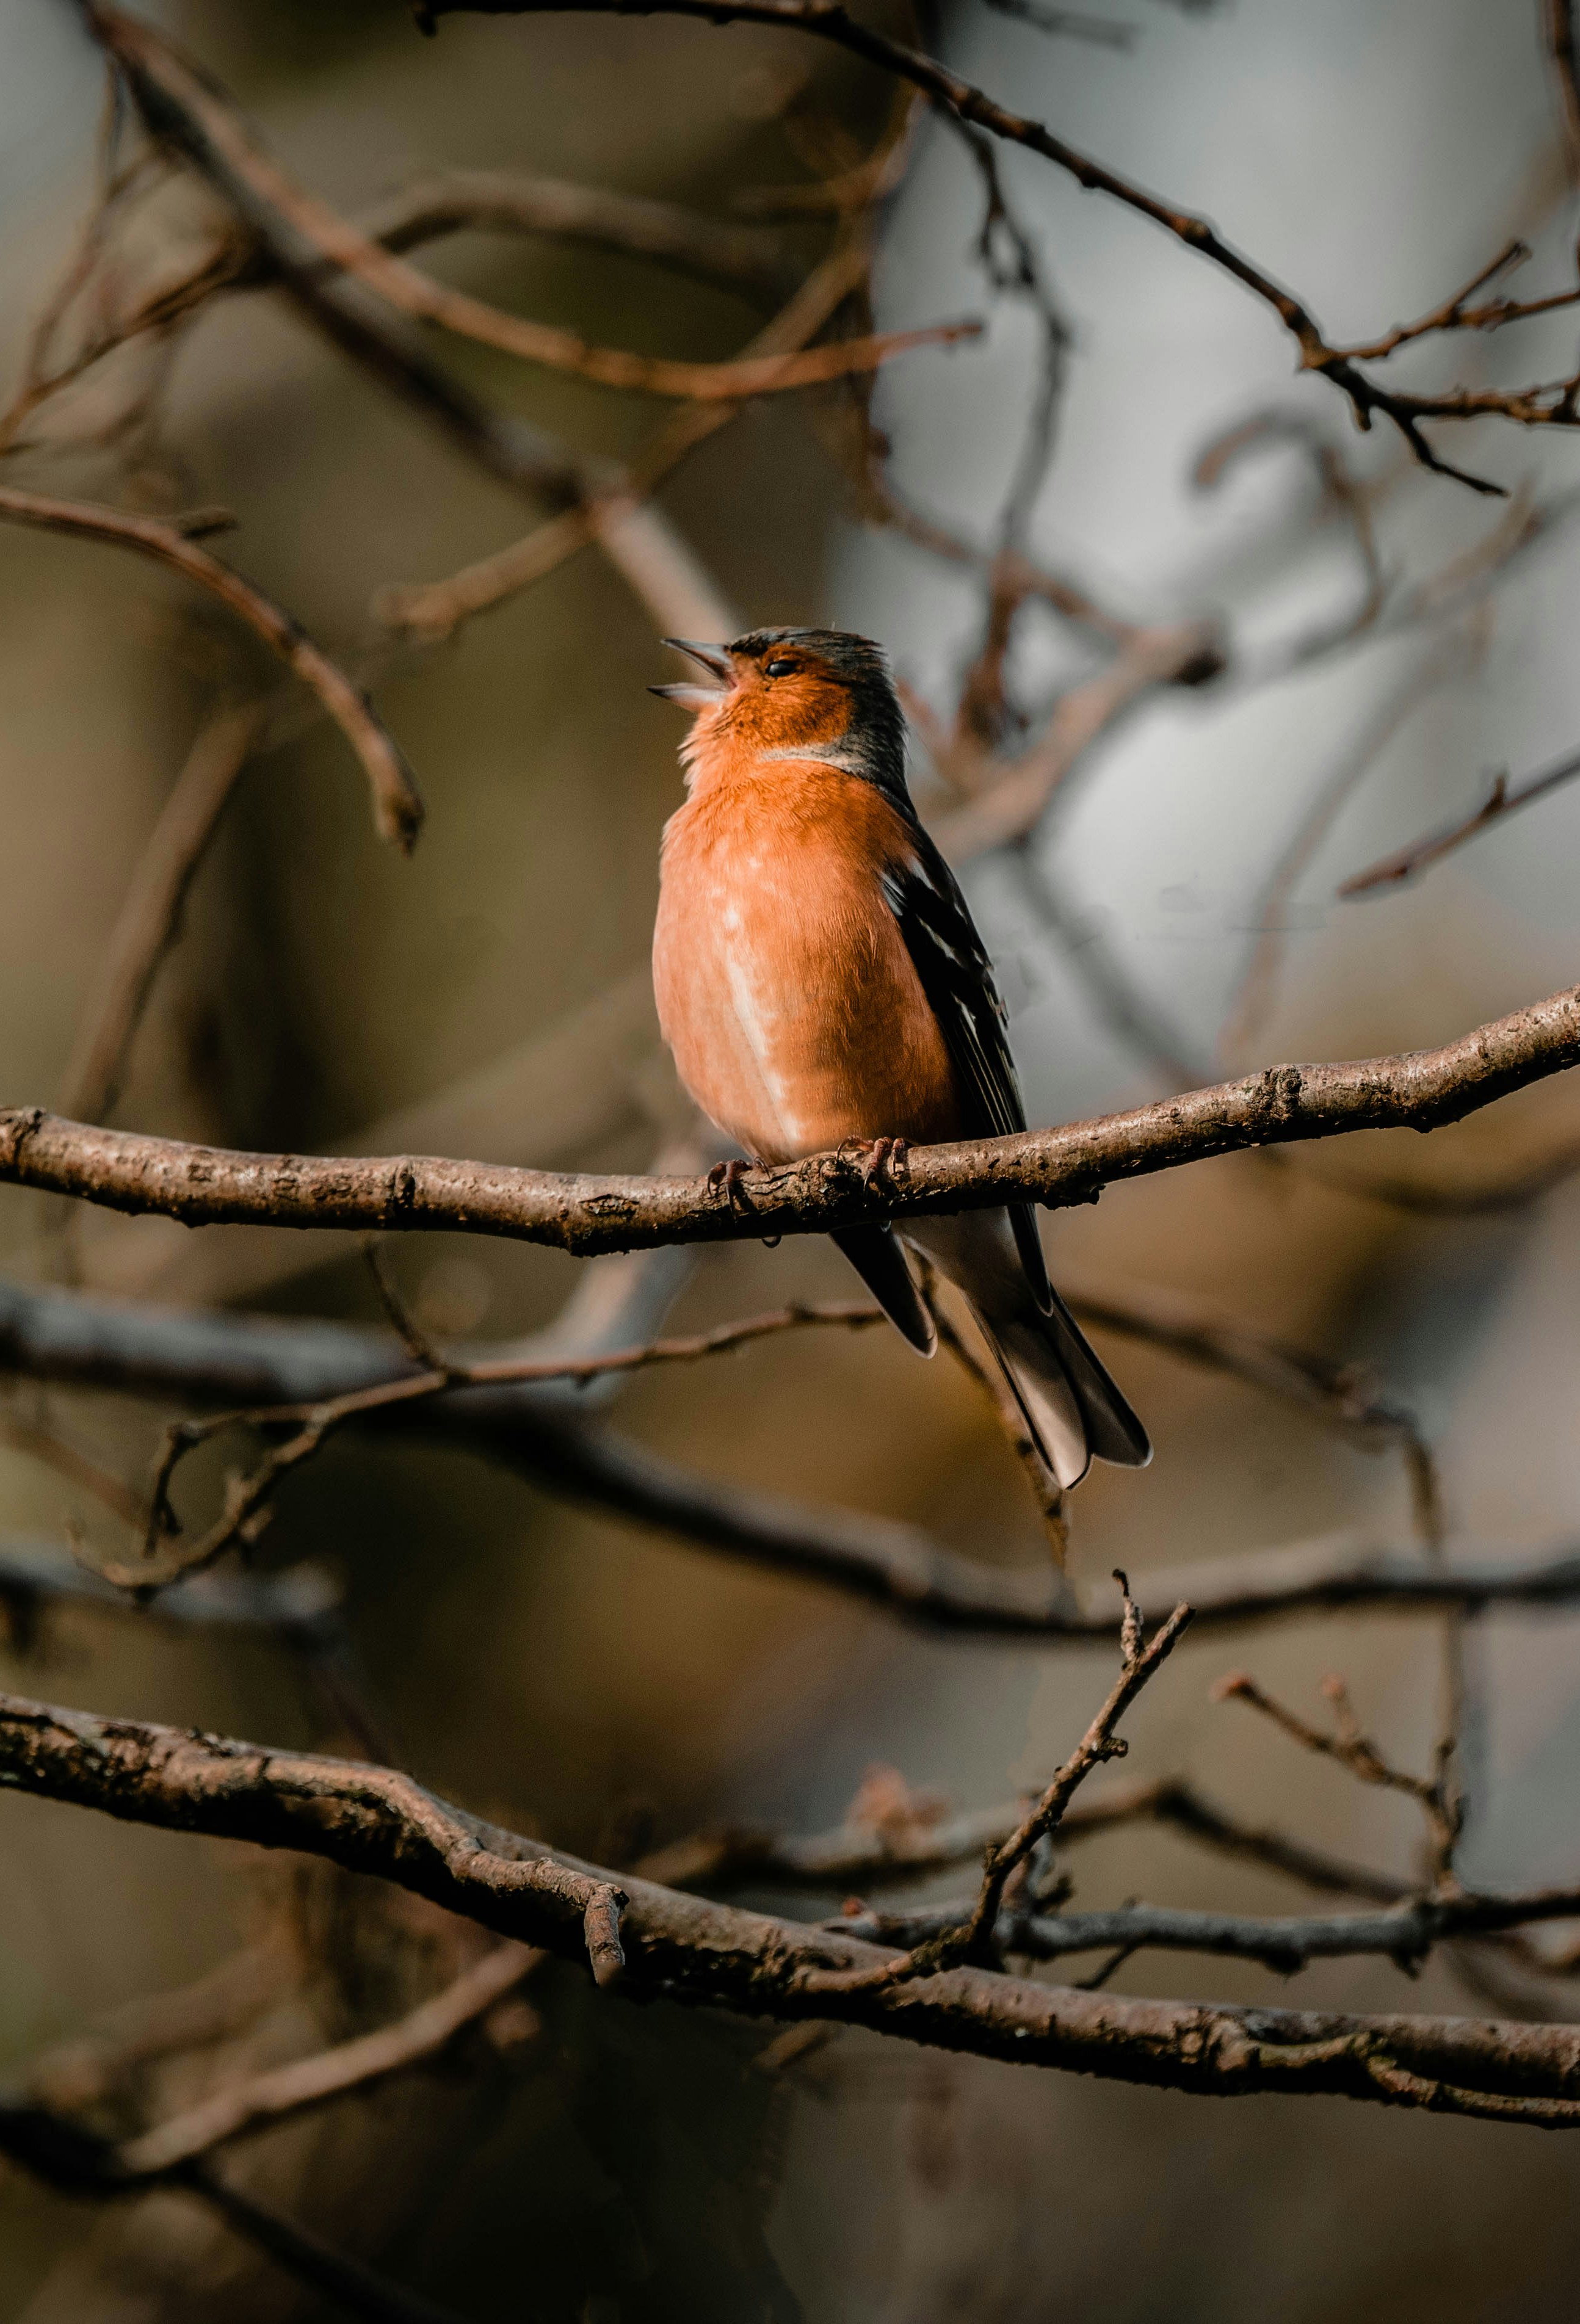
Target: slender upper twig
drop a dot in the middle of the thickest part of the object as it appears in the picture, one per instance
(203, 122)
(1503, 801)
(1551, 403)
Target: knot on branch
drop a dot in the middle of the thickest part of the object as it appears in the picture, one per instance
(17, 1125)
(401, 1199)
(601, 1928)
(1278, 1097)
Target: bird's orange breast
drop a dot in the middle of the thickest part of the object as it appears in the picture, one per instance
(784, 987)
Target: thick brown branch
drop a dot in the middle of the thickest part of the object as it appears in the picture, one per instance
(699, 1952)
(397, 809)
(201, 1185)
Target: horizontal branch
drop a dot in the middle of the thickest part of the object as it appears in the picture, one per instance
(1281, 1941)
(689, 1950)
(302, 1604)
(910, 1839)
(221, 1358)
(746, 258)
(1406, 1934)
(584, 1214)
(397, 809)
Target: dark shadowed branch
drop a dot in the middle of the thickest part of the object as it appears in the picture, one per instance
(248, 1361)
(696, 1951)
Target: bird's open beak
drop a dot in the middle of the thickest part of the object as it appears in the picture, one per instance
(689, 693)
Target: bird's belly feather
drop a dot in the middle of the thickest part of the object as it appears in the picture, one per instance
(796, 1016)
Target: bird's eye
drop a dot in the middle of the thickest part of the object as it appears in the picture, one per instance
(779, 669)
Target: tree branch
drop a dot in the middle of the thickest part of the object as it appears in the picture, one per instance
(204, 124)
(397, 809)
(1286, 1942)
(284, 2090)
(1555, 404)
(203, 1184)
(150, 918)
(702, 1953)
(912, 1838)
(229, 1359)
(1501, 801)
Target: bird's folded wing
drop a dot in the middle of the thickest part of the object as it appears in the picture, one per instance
(957, 976)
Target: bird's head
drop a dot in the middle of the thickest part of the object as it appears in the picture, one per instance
(795, 694)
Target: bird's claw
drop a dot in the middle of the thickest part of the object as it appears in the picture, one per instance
(880, 1158)
(728, 1176)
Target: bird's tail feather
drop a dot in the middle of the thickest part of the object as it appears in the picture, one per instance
(879, 1257)
(1073, 1410)
(1074, 1407)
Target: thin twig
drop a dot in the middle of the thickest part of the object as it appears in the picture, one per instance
(437, 609)
(355, 2065)
(970, 1937)
(230, 152)
(1555, 404)
(1437, 1795)
(397, 809)
(148, 920)
(247, 1497)
(1501, 802)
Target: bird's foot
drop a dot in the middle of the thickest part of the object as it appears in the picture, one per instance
(728, 1176)
(878, 1157)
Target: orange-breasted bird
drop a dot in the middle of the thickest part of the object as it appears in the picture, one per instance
(821, 984)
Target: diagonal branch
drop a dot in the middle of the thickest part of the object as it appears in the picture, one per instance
(204, 124)
(1555, 403)
(1501, 801)
(150, 918)
(284, 2090)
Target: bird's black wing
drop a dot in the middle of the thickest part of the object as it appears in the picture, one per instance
(957, 976)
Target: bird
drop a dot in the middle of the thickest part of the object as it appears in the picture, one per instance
(822, 986)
